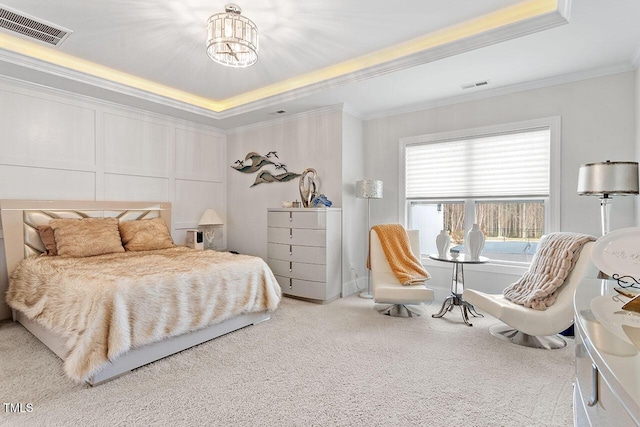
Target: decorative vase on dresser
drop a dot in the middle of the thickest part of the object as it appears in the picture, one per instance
(475, 242)
(443, 241)
(304, 251)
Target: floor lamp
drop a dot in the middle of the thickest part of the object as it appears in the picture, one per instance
(368, 189)
(605, 179)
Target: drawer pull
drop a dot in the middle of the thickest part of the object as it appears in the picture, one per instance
(290, 216)
(290, 283)
(290, 266)
(291, 233)
(594, 384)
(290, 250)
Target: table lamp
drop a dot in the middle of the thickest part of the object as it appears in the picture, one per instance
(368, 189)
(210, 218)
(605, 179)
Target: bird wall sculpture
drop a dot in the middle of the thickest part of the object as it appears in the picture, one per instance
(259, 161)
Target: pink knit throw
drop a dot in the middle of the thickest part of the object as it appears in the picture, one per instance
(555, 258)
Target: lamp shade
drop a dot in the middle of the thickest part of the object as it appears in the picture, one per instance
(607, 178)
(210, 217)
(369, 189)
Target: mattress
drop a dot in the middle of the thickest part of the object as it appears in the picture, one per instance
(106, 305)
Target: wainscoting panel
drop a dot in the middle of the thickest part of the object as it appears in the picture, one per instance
(37, 130)
(56, 145)
(135, 145)
(199, 155)
(135, 188)
(192, 198)
(20, 182)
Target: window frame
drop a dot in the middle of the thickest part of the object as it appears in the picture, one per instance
(470, 213)
(552, 202)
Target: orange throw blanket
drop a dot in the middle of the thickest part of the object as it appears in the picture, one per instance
(397, 248)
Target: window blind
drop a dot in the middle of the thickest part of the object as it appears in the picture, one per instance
(502, 165)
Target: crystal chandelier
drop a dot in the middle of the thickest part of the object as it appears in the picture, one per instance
(232, 39)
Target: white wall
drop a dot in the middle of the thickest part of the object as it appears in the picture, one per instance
(59, 146)
(598, 123)
(353, 210)
(328, 140)
(309, 140)
(637, 158)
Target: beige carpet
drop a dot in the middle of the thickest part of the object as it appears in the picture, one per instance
(340, 364)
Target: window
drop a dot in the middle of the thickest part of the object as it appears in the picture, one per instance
(503, 178)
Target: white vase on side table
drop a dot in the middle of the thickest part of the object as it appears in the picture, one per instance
(443, 241)
(475, 241)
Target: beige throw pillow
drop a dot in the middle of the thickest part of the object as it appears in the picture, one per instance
(48, 240)
(87, 236)
(145, 235)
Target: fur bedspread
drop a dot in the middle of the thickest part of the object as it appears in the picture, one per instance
(108, 304)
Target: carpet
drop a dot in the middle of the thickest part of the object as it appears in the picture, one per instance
(340, 364)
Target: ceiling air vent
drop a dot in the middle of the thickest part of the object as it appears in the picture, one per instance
(32, 27)
(476, 84)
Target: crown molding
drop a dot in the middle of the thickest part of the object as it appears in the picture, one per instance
(564, 8)
(458, 45)
(17, 85)
(282, 120)
(497, 35)
(352, 111)
(506, 90)
(80, 77)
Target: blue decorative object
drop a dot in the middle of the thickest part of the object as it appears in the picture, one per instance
(322, 200)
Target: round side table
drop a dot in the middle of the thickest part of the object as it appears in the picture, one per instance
(457, 286)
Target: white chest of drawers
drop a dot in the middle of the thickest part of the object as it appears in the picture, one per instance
(304, 251)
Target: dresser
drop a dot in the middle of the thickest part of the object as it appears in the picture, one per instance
(304, 251)
(607, 387)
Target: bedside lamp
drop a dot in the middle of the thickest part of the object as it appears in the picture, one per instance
(605, 179)
(210, 218)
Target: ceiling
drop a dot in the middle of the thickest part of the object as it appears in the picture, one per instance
(373, 57)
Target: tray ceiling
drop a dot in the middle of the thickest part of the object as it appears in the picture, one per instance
(309, 51)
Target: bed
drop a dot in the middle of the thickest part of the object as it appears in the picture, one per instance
(158, 302)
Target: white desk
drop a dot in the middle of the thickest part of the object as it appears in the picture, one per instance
(607, 388)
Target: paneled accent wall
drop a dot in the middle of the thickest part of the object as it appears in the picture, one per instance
(56, 145)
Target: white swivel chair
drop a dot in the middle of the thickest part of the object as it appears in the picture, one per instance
(393, 298)
(536, 328)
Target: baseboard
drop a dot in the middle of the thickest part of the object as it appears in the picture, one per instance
(439, 293)
(354, 286)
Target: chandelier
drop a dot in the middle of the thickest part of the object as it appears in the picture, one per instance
(232, 39)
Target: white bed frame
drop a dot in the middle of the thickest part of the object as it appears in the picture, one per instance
(20, 219)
